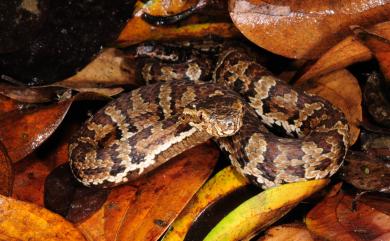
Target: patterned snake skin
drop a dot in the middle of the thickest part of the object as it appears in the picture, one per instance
(146, 127)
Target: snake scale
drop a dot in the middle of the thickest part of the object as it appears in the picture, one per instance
(144, 128)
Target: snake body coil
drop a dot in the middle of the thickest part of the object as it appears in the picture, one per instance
(146, 127)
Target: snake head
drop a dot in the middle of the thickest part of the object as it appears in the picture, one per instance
(219, 117)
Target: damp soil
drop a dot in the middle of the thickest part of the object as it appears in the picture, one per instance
(43, 41)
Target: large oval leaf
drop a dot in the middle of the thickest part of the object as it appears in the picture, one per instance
(305, 28)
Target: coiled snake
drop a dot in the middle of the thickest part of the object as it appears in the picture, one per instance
(144, 128)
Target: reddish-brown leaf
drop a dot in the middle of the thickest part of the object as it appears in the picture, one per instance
(335, 219)
(144, 209)
(8, 105)
(304, 28)
(22, 132)
(6, 172)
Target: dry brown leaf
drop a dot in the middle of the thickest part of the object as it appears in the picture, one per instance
(303, 29)
(346, 52)
(110, 68)
(144, 209)
(32, 94)
(288, 232)
(6, 172)
(342, 89)
(25, 221)
(335, 219)
(22, 132)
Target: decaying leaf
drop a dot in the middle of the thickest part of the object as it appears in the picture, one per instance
(379, 43)
(366, 172)
(6, 172)
(336, 219)
(144, 209)
(66, 196)
(137, 30)
(32, 94)
(376, 100)
(223, 183)
(288, 232)
(25, 221)
(342, 89)
(22, 132)
(303, 29)
(262, 210)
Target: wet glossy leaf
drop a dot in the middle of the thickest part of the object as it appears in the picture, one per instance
(6, 172)
(144, 209)
(262, 210)
(303, 29)
(288, 232)
(31, 172)
(342, 89)
(22, 132)
(335, 219)
(366, 172)
(223, 183)
(25, 221)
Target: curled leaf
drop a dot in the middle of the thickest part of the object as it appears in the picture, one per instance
(223, 183)
(25, 221)
(262, 210)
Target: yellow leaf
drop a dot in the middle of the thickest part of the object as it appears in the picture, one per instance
(223, 183)
(25, 221)
(262, 210)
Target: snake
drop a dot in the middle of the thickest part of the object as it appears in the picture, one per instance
(273, 133)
